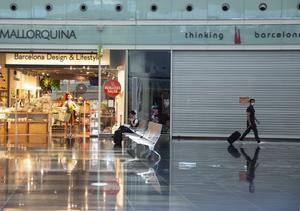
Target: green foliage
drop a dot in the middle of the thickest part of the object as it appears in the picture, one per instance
(48, 84)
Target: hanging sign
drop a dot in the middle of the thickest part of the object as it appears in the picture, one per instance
(112, 88)
(244, 99)
(100, 52)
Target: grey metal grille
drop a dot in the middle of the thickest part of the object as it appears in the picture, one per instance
(207, 86)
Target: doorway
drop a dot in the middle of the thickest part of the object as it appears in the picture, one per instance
(35, 86)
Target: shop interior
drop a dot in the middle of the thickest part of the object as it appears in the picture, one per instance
(34, 89)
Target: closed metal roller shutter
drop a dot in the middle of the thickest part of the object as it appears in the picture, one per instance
(207, 86)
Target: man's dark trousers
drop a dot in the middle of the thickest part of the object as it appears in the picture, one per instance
(249, 128)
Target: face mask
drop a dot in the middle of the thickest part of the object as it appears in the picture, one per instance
(252, 103)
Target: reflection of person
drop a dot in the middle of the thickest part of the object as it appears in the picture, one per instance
(166, 115)
(251, 167)
(72, 108)
(251, 119)
(155, 115)
(158, 117)
(133, 123)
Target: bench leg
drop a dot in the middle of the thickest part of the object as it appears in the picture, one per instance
(134, 149)
(159, 157)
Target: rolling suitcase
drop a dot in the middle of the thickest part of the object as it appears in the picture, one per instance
(233, 151)
(233, 137)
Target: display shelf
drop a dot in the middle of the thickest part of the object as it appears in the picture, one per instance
(31, 127)
(37, 127)
(37, 139)
(84, 118)
(94, 120)
(19, 127)
(3, 97)
(3, 129)
(21, 139)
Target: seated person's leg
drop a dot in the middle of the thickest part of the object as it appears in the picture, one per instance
(118, 134)
(118, 137)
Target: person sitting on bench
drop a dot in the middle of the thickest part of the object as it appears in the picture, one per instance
(126, 128)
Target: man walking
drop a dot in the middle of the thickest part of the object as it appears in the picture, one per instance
(251, 119)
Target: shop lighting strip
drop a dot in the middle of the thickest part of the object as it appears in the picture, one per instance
(93, 48)
(150, 22)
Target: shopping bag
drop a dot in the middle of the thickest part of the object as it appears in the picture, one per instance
(67, 117)
(61, 116)
(64, 116)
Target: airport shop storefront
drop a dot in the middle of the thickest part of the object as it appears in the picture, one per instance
(200, 76)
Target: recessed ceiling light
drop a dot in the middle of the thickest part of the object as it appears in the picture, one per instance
(262, 6)
(154, 7)
(83, 7)
(225, 7)
(189, 8)
(118, 8)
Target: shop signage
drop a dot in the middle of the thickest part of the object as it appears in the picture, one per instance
(112, 88)
(239, 34)
(37, 34)
(244, 99)
(204, 35)
(279, 34)
(55, 59)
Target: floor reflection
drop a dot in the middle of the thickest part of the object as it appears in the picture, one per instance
(72, 174)
(239, 177)
(90, 174)
(248, 173)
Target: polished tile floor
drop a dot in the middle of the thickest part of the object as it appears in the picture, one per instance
(91, 174)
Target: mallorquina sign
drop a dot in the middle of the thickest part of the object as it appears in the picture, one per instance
(151, 35)
(37, 34)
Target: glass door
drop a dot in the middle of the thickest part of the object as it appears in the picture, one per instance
(113, 92)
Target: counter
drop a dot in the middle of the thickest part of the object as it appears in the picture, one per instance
(31, 127)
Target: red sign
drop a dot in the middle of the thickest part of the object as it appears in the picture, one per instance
(237, 36)
(112, 88)
(244, 99)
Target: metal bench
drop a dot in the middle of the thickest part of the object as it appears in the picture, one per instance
(139, 131)
(149, 139)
